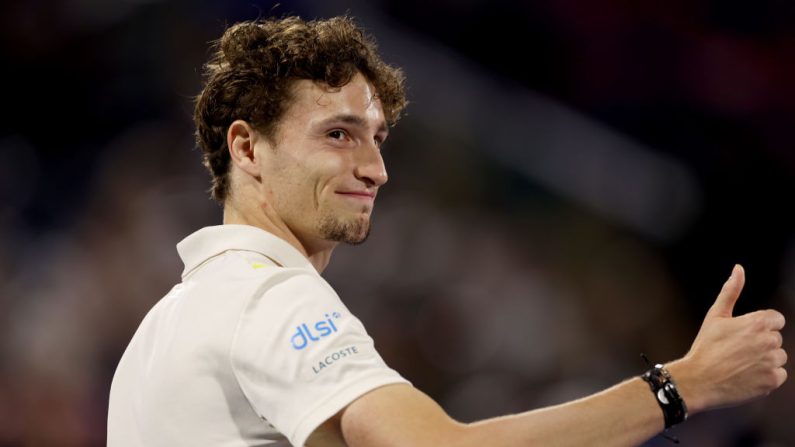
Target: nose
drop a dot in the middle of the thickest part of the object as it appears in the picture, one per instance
(370, 167)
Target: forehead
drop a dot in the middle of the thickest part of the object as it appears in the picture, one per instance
(313, 101)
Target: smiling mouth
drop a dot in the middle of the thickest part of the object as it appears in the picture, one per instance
(365, 196)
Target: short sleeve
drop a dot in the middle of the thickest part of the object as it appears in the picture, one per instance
(300, 356)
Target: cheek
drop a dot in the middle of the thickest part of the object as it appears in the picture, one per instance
(298, 187)
(301, 182)
(281, 185)
(327, 171)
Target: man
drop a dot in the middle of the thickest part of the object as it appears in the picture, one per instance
(255, 348)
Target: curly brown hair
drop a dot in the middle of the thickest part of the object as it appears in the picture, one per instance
(255, 63)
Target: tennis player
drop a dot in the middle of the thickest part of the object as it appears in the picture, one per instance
(254, 348)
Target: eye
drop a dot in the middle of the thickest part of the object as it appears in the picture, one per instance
(379, 141)
(338, 134)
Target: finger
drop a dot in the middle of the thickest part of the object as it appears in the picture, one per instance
(724, 304)
(776, 340)
(765, 320)
(780, 376)
(779, 357)
(774, 320)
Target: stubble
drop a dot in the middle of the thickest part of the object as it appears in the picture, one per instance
(352, 231)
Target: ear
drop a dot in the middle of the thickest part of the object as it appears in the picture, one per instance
(240, 139)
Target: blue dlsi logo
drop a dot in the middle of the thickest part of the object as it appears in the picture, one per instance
(322, 328)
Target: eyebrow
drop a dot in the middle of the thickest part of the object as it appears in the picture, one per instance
(354, 120)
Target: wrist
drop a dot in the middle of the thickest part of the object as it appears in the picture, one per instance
(663, 386)
(690, 389)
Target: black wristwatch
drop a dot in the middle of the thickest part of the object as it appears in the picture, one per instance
(667, 395)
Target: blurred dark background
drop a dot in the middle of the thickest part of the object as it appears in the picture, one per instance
(571, 186)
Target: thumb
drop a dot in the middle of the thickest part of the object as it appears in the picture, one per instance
(724, 304)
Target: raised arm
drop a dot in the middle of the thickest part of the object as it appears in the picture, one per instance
(731, 361)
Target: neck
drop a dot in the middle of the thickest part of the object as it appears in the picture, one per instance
(318, 254)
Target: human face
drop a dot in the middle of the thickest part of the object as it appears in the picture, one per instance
(324, 166)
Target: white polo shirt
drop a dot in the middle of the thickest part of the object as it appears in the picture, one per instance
(251, 348)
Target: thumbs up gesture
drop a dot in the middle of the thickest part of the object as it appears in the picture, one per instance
(733, 359)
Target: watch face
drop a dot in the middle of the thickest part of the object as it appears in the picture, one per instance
(661, 397)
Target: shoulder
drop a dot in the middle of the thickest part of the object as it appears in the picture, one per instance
(243, 266)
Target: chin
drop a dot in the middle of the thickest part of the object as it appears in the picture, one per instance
(353, 231)
(359, 239)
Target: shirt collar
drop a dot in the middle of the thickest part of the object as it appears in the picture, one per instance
(212, 241)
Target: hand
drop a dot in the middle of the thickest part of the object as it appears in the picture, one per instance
(733, 359)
